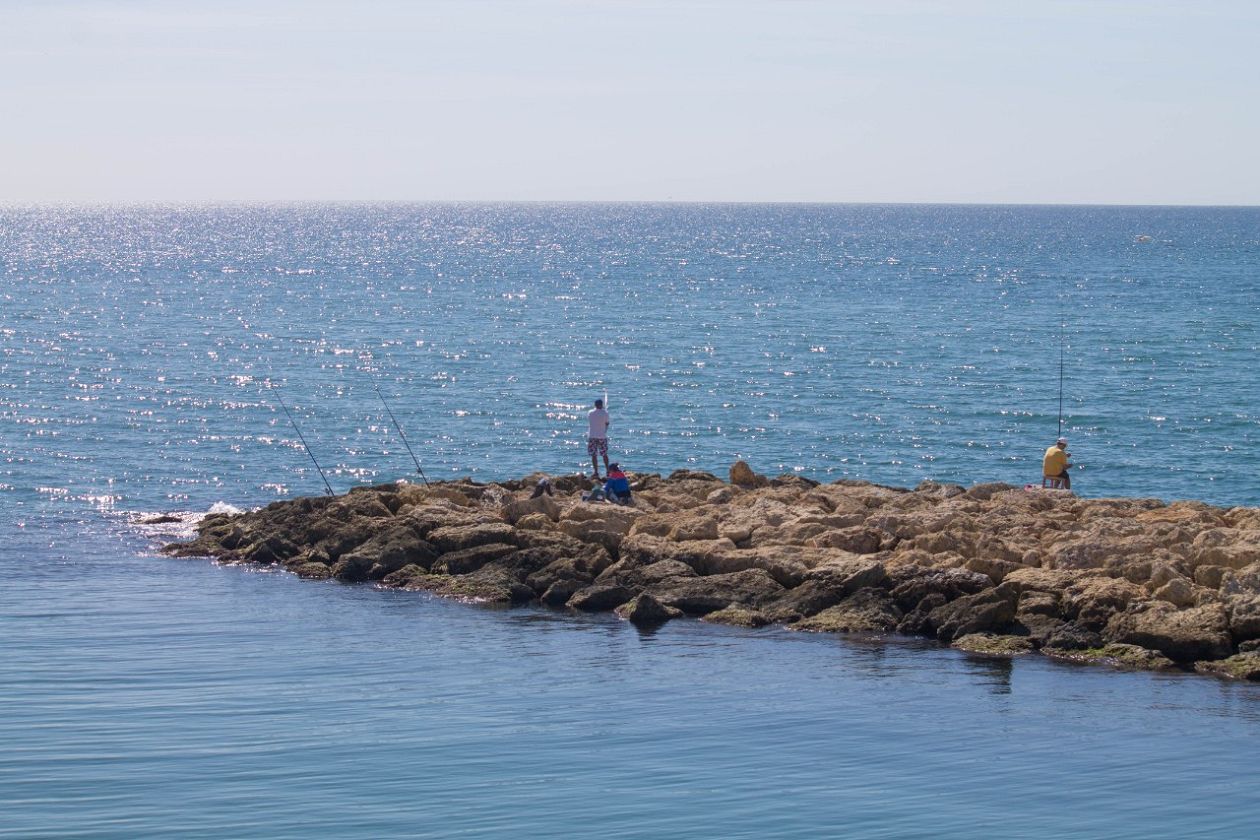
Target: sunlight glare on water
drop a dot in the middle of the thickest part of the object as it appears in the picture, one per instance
(142, 354)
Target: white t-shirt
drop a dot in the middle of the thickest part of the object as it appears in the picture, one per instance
(599, 420)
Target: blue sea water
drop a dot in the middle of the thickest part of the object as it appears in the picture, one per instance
(142, 355)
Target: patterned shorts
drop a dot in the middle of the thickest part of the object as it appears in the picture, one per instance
(597, 446)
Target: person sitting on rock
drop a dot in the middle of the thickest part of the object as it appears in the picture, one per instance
(1055, 463)
(617, 487)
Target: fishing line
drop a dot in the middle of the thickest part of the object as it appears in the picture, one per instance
(293, 422)
(400, 434)
(1062, 330)
(302, 438)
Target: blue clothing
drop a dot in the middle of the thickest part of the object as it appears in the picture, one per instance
(617, 485)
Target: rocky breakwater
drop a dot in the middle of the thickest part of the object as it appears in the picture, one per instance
(992, 568)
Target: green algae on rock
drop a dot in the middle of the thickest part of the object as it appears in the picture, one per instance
(993, 645)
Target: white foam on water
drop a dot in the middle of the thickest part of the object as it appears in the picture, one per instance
(172, 525)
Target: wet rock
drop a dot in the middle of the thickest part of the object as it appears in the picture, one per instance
(1116, 655)
(991, 609)
(1038, 617)
(1241, 666)
(917, 622)
(827, 585)
(487, 585)
(599, 597)
(1181, 635)
(580, 567)
(559, 593)
(702, 595)
(993, 645)
(313, 571)
(865, 611)
(738, 617)
(471, 559)
(646, 611)
(911, 584)
(1074, 636)
(388, 551)
(268, 550)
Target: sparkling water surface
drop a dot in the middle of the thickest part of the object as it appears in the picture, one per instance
(142, 352)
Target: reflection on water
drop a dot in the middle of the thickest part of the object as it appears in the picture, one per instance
(991, 671)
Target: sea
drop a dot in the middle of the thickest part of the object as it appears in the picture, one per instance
(186, 359)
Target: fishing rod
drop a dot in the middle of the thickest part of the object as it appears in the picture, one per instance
(302, 438)
(400, 434)
(1062, 330)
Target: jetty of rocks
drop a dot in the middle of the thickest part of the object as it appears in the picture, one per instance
(992, 568)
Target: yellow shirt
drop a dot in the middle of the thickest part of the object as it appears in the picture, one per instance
(1055, 461)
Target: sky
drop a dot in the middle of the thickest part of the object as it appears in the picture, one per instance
(1011, 101)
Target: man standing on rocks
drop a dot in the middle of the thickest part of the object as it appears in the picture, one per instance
(597, 436)
(1055, 463)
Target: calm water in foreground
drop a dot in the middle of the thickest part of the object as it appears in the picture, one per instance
(148, 697)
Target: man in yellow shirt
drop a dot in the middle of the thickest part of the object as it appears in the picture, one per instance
(1055, 463)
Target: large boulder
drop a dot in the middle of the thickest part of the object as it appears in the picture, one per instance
(471, 559)
(990, 610)
(1038, 616)
(580, 567)
(623, 580)
(1244, 617)
(827, 585)
(388, 551)
(1240, 666)
(1093, 600)
(487, 585)
(515, 511)
(701, 595)
(865, 611)
(1181, 635)
(460, 537)
(910, 584)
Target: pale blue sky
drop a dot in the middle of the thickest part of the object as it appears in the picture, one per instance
(886, 100)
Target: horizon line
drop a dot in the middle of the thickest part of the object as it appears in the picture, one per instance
(140, 203)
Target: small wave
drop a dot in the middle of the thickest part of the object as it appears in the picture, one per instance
(170, 525)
